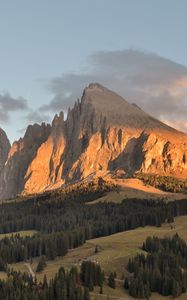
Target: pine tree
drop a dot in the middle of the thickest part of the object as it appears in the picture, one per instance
(41, 265)
(101, 290)
(3, 265)
(45, 283)
(126, 283)
(176, 289)
(86, 294)
(166, 287)
(91, 285)
(96, 249)
(111, 281)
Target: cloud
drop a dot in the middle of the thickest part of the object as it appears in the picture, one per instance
(182, 125)
(22, 130)
(9, 104)
(156, 84)
(36, 117)
(66, 90)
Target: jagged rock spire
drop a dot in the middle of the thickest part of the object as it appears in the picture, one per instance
(102, 133)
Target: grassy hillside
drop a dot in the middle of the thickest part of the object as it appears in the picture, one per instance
(116, 249)
(135, 188)
(24, 233)
(114, 252)
(165, 183)
(54, 214)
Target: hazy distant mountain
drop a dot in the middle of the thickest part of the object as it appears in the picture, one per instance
(103, 132)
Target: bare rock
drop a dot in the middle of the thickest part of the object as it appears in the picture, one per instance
(102, 133)
(4, 148)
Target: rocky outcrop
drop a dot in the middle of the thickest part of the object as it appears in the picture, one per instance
(4, 148)
(102, 133)
(20, 156)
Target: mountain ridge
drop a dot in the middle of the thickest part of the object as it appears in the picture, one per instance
(4, 147)
(102, 133)
(103, 99)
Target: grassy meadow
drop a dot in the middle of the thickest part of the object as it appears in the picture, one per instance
(114, 252)
(24, 233)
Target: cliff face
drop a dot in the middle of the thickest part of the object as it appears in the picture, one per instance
(21, 154)
(102, 133)
(4, 148)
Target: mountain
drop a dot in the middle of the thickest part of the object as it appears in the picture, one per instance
(4, 148)
(20, 156)
(102, 133)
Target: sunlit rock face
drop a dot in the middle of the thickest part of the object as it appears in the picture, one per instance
(20, 156)
(102, 133)
(46, 168)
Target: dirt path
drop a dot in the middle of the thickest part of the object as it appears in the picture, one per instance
(30, 270)
(108, 297)
(116, 279)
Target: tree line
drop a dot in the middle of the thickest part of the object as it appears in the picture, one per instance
(165, 183)
(66, 285)
(65, 221)
(91, 275)
(163, 269)
(68, 224)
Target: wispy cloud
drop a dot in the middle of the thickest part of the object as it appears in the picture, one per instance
(36, 117)
(9, 104)
(158, 85)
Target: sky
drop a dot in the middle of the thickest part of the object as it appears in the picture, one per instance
(50, 50)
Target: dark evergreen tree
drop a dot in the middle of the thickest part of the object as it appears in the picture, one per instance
(161, 269)
(86, 294)
(111, 280)
(41, 264)
(126, 283)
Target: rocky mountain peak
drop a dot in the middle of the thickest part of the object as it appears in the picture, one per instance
(20, 156)
(102, 133)
(36, 131)
(58, 119)
(119, 112)
(4, 148)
